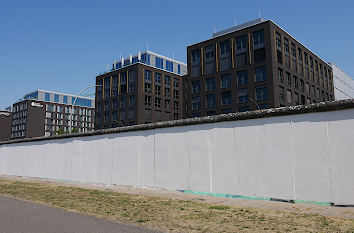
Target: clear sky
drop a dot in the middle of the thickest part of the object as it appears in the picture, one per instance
(63, 45)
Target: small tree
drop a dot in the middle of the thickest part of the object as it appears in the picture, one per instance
(74, 130)
(60, 131)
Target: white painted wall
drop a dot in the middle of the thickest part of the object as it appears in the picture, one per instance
(298, 157)
(343, 84)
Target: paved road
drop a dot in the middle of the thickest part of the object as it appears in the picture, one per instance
(21, 216)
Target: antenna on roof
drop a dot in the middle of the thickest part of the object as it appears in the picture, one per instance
(173, 55)
(214, 29)
(147, 46)
(259, 14)
(235, 23)
(107, 67)
(120, 56)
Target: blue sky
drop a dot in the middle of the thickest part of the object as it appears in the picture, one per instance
(63, 45)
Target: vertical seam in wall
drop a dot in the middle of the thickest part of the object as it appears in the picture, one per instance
(139, 161)
(112, 144)
(235, 155)
(189, 163)
(80, 175)
(328, 141)
(210, 163)
(293, 156)
(154, 174)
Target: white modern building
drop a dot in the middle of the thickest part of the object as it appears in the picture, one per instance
(343, 83)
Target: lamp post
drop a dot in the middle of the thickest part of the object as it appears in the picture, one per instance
(72, 105)
(118, 122)
(254, 103)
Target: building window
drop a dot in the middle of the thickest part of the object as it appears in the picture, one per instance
(157, 79)
(167, 81)
(157, 102)
(288, 79)
(147, 88)
(123, 83)
(241, 43)
(56, 98)
(65, 99)
(159, 62)
(114, 116)
(196, 103)
(242, 77)
(226, 98)
(258, 38)
(288, 96)
(258, 46)
(147, 100)
(279, 48)
(296, 83)
(307, 88)
(302, 85)
(175, 94)
(123, 102)
(281, 94)
(260, 74)
(296, 98)
(175, 105)
(47, 97)
(224, 48)
(106, 105)
(242, 96)
(210, 84)
(210, 100)
(261, 93)
(132, 100)
(167, 92)
(224, 55)
(196, 87)
(175, 116)
(114, 104)
(147, 76)
(209, 59)
(225, 81)
(280, 75)
(169, 66)
(167, 104)
(157, 90)
(195, 63)
(175, 83)
(131, 81)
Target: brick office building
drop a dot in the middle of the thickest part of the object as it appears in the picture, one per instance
(143, 88)
(250, 66)
(43, 113)
(5, 125)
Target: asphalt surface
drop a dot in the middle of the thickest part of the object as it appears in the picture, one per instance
(21, 216)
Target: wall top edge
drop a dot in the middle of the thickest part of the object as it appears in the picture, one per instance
(273, 112)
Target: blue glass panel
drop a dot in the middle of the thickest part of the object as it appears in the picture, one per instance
(143, 58)
(148, 59)
(56, 98)
(47, 97)
(65, 99)
(33, 95)
(179, 69)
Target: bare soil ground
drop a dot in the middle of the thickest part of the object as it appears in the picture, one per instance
(173, 211)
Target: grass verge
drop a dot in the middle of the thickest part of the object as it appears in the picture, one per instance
(169, 214)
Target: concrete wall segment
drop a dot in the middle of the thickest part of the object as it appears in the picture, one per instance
(291, 157)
